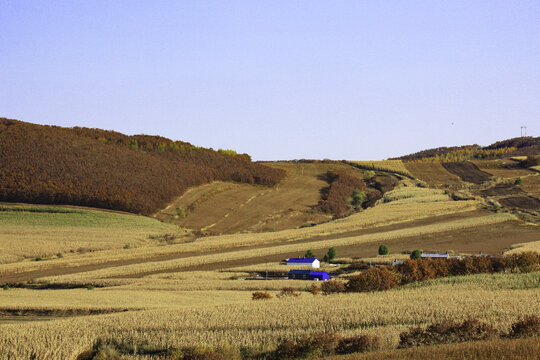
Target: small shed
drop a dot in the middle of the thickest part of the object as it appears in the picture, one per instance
(313, 262)
(308, 275)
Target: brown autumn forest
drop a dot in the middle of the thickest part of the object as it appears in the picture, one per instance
(521, 146)
(107, 169)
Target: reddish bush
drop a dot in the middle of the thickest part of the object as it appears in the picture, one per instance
(316, 345)
(335, 198)
(260, 295)
(447, 332)
(374, 279)
(410, 271)
(288, 291)
(359, 343)
(332, 286)
(526, 327)
(441, 267)
(314, 289)
(527, 261)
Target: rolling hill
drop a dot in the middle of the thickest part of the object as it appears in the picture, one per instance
(105, 169)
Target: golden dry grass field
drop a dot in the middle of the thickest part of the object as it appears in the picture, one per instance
(171, 288)
(176, 318)
(45, 232)
(395, 166)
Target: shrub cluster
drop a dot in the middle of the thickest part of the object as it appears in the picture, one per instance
(447, 332)
(388, 277)
(288, 292)
(469, 330)
(374, 279)
(337, 197)
(106, 169)
(332, 286)
(260, 295)
(324, 344)
(527, 327)
(426, 268)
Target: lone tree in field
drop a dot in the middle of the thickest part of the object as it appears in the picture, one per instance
(383, 250)
(416, 254)
(332, 253)
(309, 254)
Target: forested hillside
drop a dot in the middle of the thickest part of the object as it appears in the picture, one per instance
(506, 148)
(92, 167)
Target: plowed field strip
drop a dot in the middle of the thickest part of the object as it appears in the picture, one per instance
(467, 171)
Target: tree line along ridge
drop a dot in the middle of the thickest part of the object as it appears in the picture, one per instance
(106, 169)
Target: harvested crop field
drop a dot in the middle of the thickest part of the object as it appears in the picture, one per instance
(502, 168)
(491, 239)
(531, 185)
(502, 190)
(433, 173)
(467, 171)
(522, 202)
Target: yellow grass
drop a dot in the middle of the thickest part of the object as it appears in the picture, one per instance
(414, 195)
(530, 246)
(384, 165)
(31, 234)
(524, 349)
(535, 168)
(202, 318)
(518, 158)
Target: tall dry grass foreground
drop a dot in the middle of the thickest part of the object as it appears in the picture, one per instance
(261, 324)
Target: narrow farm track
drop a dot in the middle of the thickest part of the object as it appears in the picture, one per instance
(64, 269)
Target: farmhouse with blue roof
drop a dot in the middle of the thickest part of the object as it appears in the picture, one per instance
(308, 275)
(314, 263)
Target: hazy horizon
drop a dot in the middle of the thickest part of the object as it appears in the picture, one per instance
(278, 80)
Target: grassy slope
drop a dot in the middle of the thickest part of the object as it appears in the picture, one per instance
(227, 208)
(40, 231)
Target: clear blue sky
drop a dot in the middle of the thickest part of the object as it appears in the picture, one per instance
(278, 79)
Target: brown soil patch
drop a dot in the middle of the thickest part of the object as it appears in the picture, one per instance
(502, 190)
(467, 171)
(522, 202)
(502, 168)
(491, 239)
(434, 174)
(531, 185)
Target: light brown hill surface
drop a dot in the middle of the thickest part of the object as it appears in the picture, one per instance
(224, 207)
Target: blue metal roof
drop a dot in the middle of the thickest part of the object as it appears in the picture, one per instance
(301, 260)
(318, 273)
